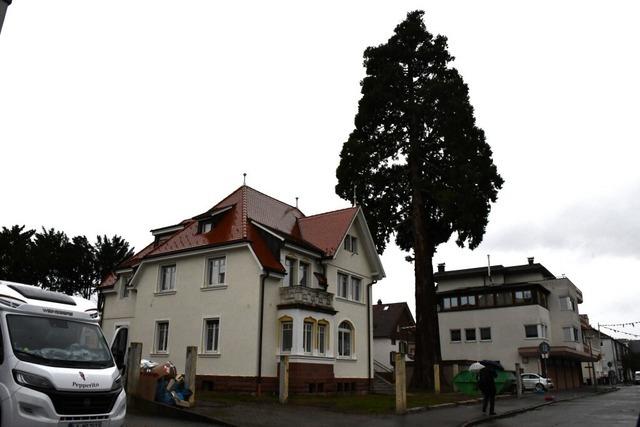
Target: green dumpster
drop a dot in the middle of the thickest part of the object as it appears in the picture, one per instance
(467, 382)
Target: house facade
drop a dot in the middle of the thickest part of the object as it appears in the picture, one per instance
(614, 352)
(505, 313)
(392, 324)
(246, 282)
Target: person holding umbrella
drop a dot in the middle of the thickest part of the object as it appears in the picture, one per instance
(487, 384)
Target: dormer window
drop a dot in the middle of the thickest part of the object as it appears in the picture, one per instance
(206, 227)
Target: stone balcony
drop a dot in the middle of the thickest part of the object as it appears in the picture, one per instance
(306, 298)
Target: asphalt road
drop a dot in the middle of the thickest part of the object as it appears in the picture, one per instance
(147, 421)
(620, 408)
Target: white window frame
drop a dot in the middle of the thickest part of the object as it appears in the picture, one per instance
(475, 335)
(353, 288)
(124, 290)
(451, 335)
(341, 340)
(205, 331)
(346, 285)
(208, 271)
(480, 333)
(161, 274)
(322, 349)
(290, 278)
(156, 337)
(307, 339)
(282, 323)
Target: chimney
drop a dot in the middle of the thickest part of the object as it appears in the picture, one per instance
(441, 267)
(379, 302)
(530, 259)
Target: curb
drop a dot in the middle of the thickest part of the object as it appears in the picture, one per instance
(513, 412)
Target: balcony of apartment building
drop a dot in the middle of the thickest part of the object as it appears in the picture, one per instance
(307, 298)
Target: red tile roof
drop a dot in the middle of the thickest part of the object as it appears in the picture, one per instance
(323, 232)
(327, 230)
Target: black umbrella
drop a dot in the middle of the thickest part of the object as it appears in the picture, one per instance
(493, 364)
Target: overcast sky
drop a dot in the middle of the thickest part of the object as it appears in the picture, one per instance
(120, 117)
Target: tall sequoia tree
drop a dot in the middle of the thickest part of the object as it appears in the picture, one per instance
(421, 166)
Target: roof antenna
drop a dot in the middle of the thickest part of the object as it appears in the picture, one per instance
(489, 267)
(354, 195)
(244, 178)
(296, 202)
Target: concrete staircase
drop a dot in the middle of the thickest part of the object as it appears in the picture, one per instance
(382, 386)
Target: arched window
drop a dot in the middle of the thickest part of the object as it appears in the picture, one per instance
(345, 339)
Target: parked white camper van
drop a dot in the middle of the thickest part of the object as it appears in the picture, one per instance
(56, 368)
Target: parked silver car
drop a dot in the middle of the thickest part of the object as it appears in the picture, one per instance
(535, 382)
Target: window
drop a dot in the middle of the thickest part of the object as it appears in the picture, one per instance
(290, 265)
(286, 337)
(216, 271)
(124, 283)
(467, 300)
(504, 298)
(343, 285)
(355, 288)
(570, 334)
(345, 332)
(207, 227)
(522, 296)
(162, 336)
(307, 337)
(455, 335)
(531, 331)
(211, 334)
(485, 334)
(543, 331)
(486, 300)
(167, 278)
(350, 244)
(322, 338)
(566, 303)
(470, 334)
(304, 274)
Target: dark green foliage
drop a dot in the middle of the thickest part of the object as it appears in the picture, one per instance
(109, 253)
(421, 166)
(414, 104)
(15, 251)
(51, 260)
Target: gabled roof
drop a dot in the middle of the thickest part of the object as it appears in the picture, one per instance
(238, 218)
(386, 318)
(326, 230)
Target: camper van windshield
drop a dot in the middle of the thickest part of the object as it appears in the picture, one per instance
(58, 342)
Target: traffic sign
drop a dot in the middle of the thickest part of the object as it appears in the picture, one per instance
(544, 348)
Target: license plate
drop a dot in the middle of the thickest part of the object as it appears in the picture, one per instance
(86, 424)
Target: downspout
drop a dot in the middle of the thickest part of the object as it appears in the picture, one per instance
(263, 278)
(369, 333)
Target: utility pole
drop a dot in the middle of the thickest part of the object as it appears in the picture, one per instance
(3, 10)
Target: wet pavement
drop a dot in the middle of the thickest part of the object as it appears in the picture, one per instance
(620, 408)
(261, 415)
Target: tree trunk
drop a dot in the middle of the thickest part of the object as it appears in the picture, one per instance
(427, 341)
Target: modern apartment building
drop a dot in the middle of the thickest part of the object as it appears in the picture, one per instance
(505, 313)
(247, 281)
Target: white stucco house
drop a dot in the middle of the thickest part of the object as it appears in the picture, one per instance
(392, 324)
(249, 280)
(504, 313)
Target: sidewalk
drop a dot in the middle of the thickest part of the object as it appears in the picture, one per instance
(266, 414)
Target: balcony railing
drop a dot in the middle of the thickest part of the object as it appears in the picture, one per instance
(304, 297)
